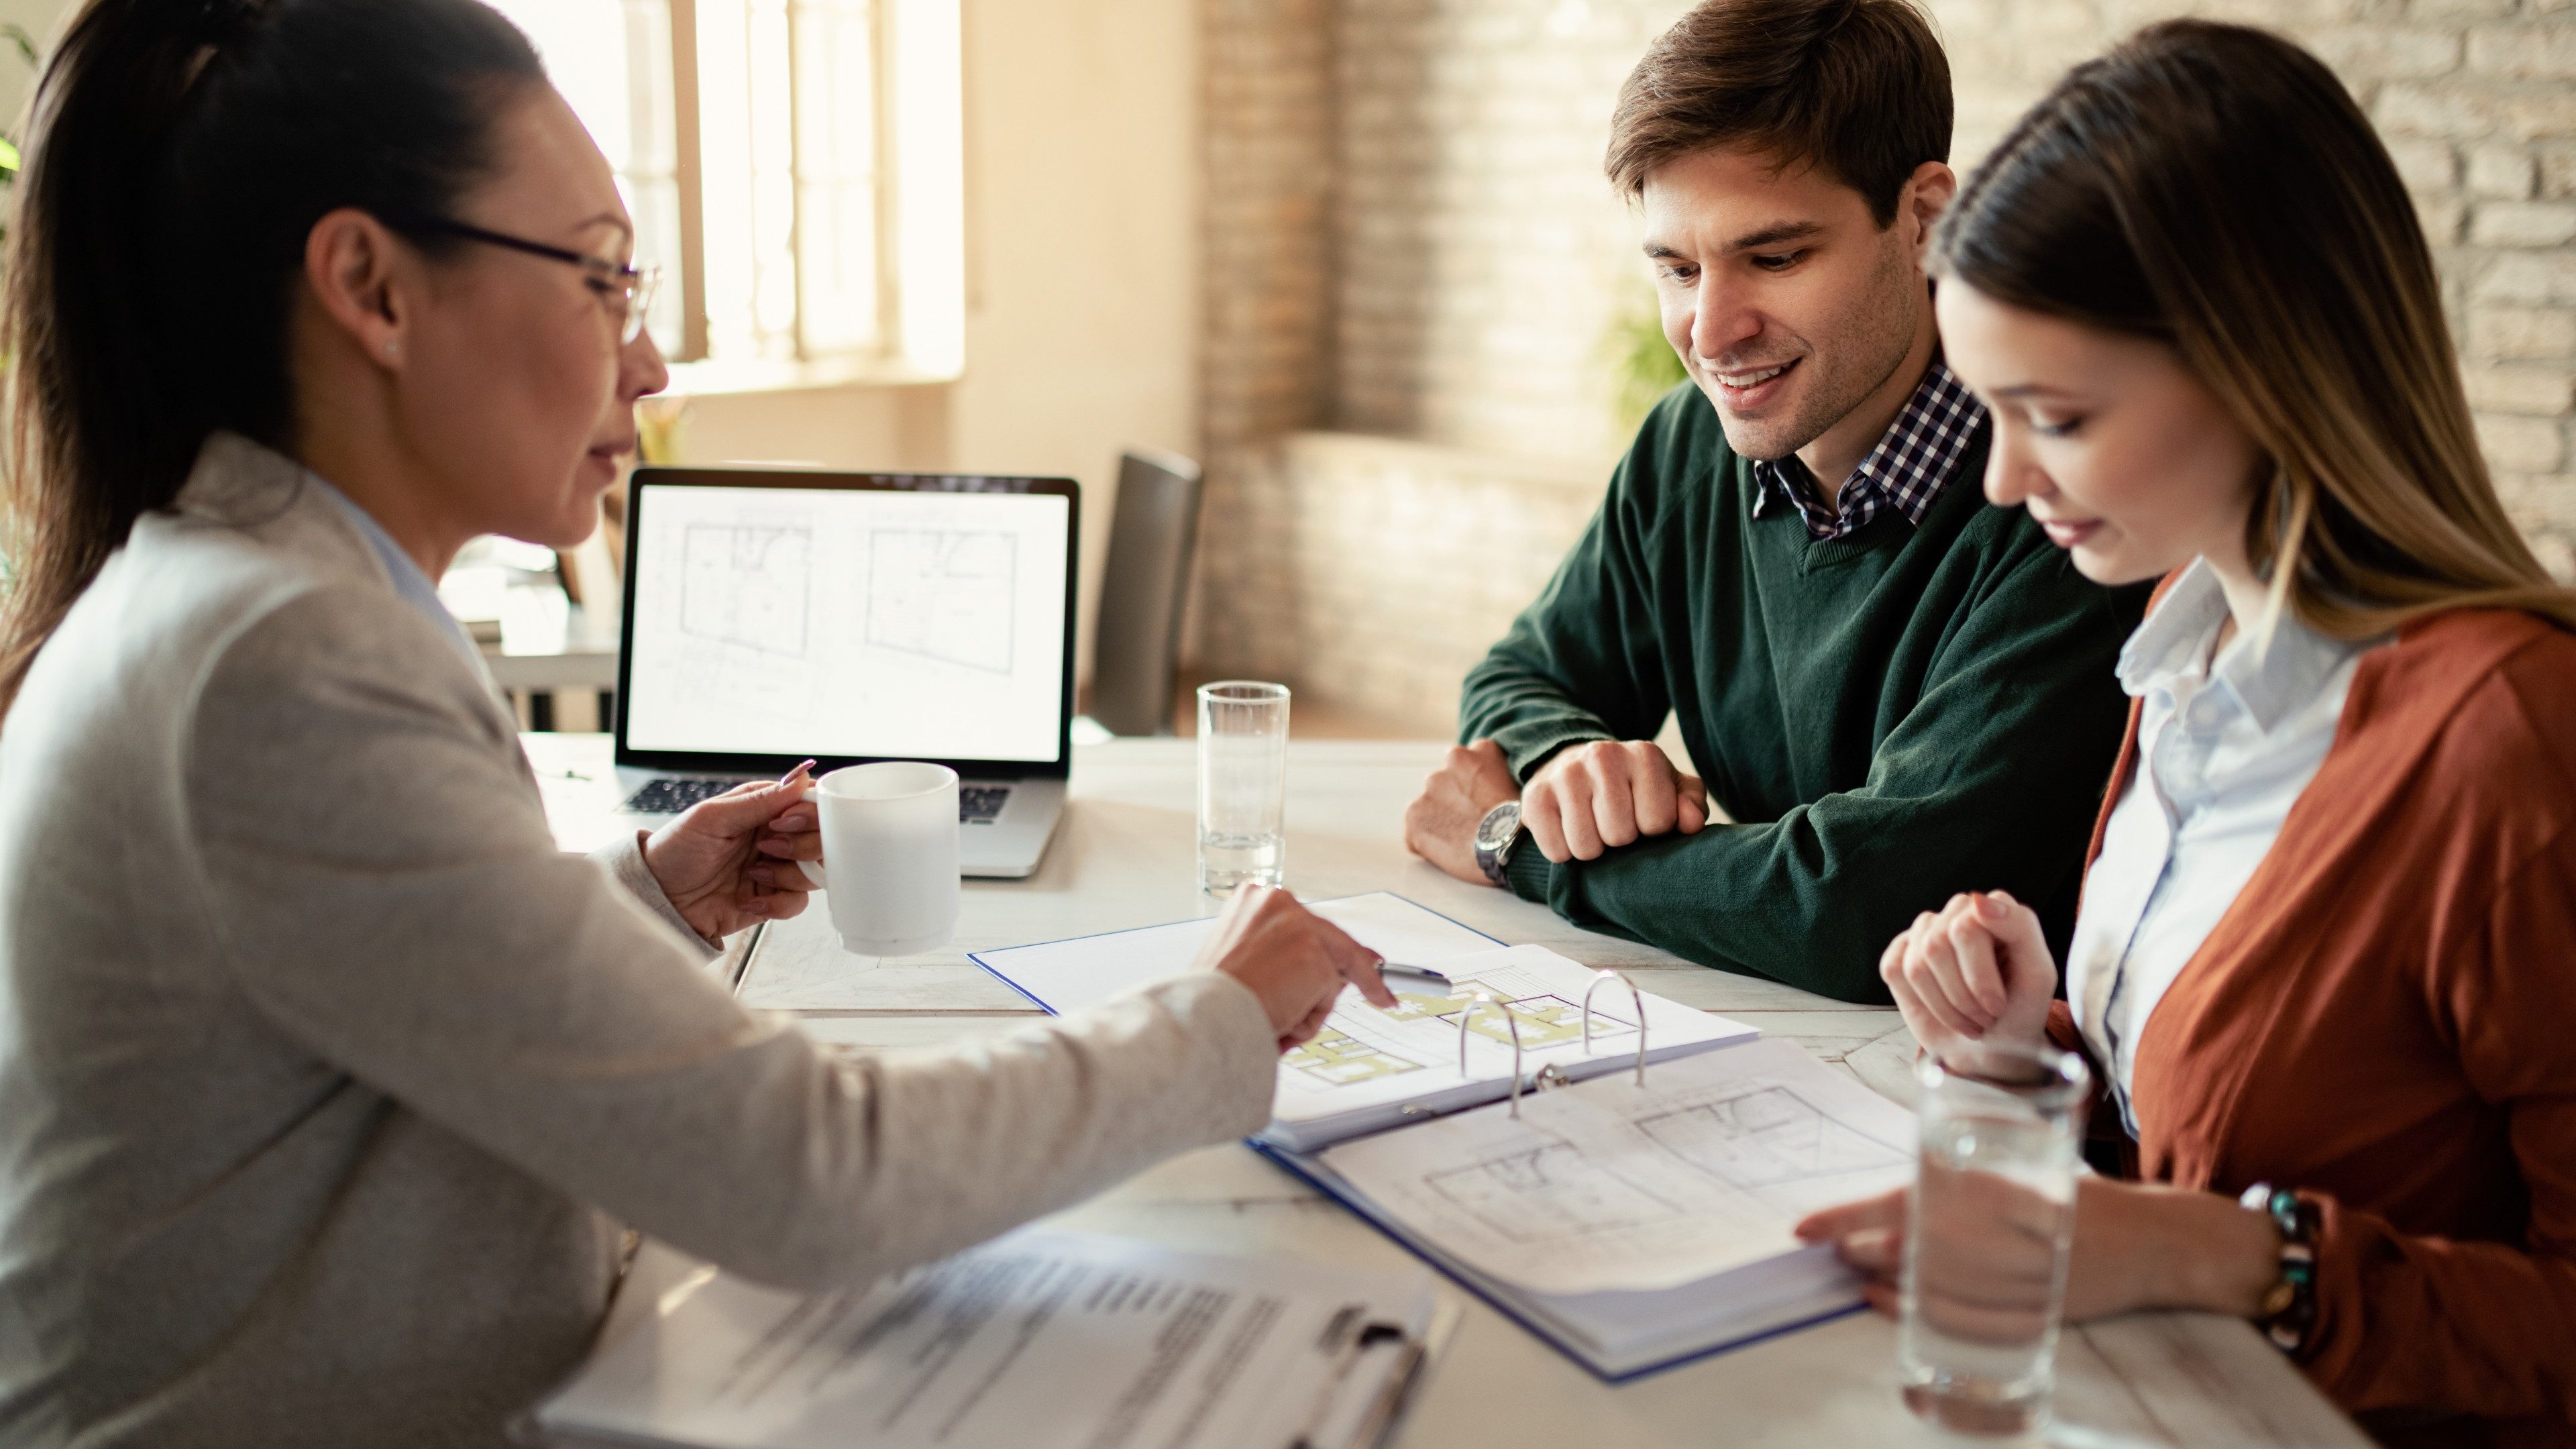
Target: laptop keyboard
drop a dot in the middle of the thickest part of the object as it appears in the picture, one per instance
(671, 794)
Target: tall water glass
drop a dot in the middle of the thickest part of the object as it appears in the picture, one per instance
(1243, 784)
(1987, 1241)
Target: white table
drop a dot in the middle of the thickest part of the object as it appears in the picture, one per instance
(1124, 858)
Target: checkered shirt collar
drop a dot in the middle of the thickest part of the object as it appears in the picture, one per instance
(1908, 470)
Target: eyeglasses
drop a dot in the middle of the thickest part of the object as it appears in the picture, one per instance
(627, 292)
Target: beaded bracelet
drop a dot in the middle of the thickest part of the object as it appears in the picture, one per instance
(2290, 1309)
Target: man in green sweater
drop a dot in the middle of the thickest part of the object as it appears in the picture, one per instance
(1890, 691)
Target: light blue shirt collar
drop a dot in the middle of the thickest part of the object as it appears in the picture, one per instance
(413, 585)
(2266, 683)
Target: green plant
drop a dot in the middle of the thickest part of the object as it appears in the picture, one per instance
(1644, 364)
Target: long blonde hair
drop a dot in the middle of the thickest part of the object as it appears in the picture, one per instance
(2215, 187)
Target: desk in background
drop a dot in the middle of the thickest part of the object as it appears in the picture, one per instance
(557, 660)
(1124, 857)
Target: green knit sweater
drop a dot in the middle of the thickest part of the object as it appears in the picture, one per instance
(1891, 717)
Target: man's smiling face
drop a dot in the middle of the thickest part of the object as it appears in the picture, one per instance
(1789, 304)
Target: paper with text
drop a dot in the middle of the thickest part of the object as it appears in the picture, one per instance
(1036, 1341)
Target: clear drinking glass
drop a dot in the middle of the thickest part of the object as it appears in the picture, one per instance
(1243, 784)
(1986, 1243)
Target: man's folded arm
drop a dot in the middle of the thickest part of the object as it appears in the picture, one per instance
(1990, 782)
(1583, 662)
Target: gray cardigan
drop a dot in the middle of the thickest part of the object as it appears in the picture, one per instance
(327, 1083)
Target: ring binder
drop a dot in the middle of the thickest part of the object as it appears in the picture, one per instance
(1486, 998)
(1635, 996)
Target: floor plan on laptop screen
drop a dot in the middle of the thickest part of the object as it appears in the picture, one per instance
(1607, 1185)
(854, 621)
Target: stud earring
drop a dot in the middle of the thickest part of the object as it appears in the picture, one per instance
(392, 349)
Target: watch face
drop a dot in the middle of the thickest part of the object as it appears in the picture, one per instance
(1499, 826)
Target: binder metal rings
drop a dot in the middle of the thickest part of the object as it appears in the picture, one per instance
(1486, 998)
(1635, 996)
(1552, 1075)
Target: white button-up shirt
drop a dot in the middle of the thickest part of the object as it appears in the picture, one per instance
(2225, 745)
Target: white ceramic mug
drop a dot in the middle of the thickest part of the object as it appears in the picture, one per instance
(889, 866)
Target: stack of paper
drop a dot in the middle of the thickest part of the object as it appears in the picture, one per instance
(1034, 1341)
(1369, 1069)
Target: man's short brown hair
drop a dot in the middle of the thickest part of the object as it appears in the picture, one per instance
(1859, 88)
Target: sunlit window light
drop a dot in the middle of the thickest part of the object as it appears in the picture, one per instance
(828, 211)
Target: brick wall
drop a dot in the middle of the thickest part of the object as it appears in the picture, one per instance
(1408, 236)
(1480, 252)
(1267, 276)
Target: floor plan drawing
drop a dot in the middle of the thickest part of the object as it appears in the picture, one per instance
(1545, 1021)
(747, 584)
(1767, 1136)
(1413, 1006)
(944, 594)
(1547, 1193)
(1340, 1058)
(1613, 1184)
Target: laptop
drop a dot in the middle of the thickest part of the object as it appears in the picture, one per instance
(776, 615)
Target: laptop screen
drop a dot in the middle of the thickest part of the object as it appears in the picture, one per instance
(847, 617)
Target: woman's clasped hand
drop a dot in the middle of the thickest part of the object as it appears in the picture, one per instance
(1978, 973)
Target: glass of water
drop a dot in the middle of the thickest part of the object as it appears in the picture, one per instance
(1986, 1243)
(1243, 784)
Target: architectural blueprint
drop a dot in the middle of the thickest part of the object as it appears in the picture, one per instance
(863, 622)
(1369, 1068)
(747, 584)
(1365, 1055)
(1607, 1185)
(944, 594)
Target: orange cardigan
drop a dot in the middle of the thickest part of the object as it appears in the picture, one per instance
(2385, 1020)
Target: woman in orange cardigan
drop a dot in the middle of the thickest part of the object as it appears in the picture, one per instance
(2326, 963)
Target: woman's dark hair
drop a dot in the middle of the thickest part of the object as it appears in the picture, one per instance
(2214, 188)
(180, 153)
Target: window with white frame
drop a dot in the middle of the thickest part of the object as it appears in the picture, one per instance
(793, 165)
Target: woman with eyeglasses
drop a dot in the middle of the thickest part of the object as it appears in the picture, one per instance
(2325, 964)
(328, 1088)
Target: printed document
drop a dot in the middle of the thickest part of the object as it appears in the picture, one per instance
(1608, 1185)
(1037, 1340)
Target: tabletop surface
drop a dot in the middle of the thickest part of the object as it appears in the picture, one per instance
(1124, 857)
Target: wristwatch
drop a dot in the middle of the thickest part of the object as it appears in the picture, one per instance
(1496, 834)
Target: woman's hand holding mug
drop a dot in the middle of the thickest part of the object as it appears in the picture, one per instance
(1295, 961)
(1978, 970)
(730, 862)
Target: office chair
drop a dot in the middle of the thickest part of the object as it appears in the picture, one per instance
(1136, 649)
